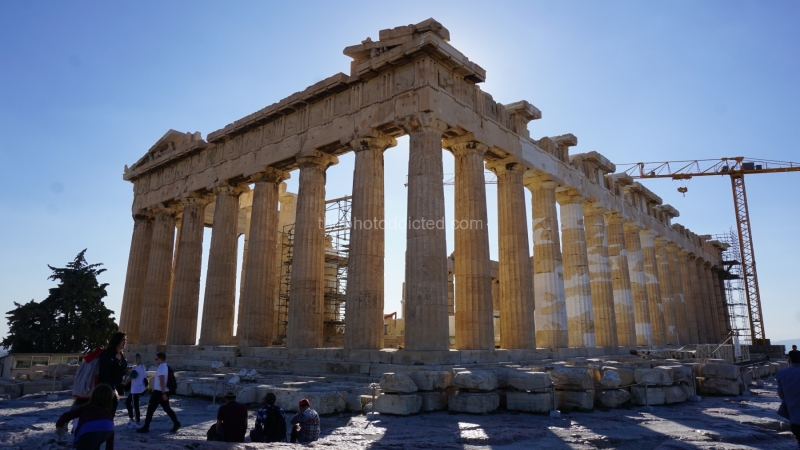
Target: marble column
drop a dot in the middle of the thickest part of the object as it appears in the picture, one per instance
(219, 302)
(516, 305)
(365, 270)
(548, 270)
(712, 301)
(286, 216)
(605, 324)
(686, 265)
(306, 307)
(474, 311)
(155, 306)
(261, 277)
(620, 280)
(133, 295)
(679, 297)
(704, 304)
(577, 287)
(641, 304)
(426, 315)
(665, 287)
(653, 286)
(722, 303)
(185, 302)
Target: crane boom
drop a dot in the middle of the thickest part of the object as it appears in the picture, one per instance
(735, 167)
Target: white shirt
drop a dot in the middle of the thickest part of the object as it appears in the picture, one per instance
(162, 370)
(137, 384)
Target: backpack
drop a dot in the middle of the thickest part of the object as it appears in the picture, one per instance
(88, 375)
(172, 383)
(275, 425)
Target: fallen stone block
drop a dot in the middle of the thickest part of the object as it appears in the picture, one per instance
(674, 394)
(651, 377)
(473, 402)
(429, 380)
(353, 403)
(397, 382)
(729, 371)
(529, 381)
(718, 386)
(572, 377)
(523, 401)
(610, 380)
(613, 398)
(575, 400)
(666, 374)
(625, 374)
(324, 402)
(399, 404)
(654, 396)
(479, 380)
(433, 401)
(681, 373)
(687, 389)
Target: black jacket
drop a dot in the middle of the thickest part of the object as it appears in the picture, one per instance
(112, 370)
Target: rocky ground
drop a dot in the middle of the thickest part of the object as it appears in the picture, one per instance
(714, 423)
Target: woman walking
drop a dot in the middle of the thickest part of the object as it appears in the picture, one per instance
(113, 365)
(137, 378)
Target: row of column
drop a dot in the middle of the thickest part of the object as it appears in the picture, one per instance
(613, 284)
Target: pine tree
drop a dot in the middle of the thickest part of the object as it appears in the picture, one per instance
(71, 319)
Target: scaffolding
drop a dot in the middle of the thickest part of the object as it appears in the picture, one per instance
(337, 250)
(735, 294)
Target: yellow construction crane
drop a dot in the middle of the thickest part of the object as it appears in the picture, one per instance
(736, 168)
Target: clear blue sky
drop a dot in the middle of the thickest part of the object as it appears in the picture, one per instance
(87, 87)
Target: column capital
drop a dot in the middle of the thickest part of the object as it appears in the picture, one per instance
(534, 179)
(317, 159)
(228, 189)
(614, 217)
(142, 215)
(504, 166)
(661, 240)
(591, 208)
(424, 122)
(379, 143)
(568, 195)
(466, 148)
(194, 198)
(270, 175)
(647, 232)
(630, 225)
(163, 209)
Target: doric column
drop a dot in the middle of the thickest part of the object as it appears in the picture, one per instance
(426, 243)
(679, 297)
(155, 306)
(188, 266)
(620, 280)
(605, 324)
(548, 271)
(286, 216)
(686, 265)
(665, 287)
(714, 307)
(365, 269)
(577, 288)
(641, 305)
(517, 327)
(306, 307)
(256, 302)
(220, 295)
(703, 303)
(474, 311)
(133, 295)
(653, 286)
(719, 289)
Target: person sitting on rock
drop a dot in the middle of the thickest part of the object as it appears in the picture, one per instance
(270, 422)
(232, 420)
(306, 424)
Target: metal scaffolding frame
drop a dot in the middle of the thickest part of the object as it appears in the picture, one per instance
(337, 251)
(735, 293)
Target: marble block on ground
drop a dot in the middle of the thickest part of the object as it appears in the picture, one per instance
(399, 404)
(674, 394)
(583, 401)
(625, 374)
(397, 382)
(718, 386)
(523, 401)
(433, 401)
(655, 396)
(473, 402)
(729, 371)
(430, 380)
(610, 379)
(613, 398)
(573, 377)
(529, 381)
(651, 377)
(479, 380)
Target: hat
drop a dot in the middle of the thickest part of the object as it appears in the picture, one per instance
(230, 395)
(304, 402)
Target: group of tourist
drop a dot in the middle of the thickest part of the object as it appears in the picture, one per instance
(93, 417)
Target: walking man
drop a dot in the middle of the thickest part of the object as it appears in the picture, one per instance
(793, 356)
(160, 396)
(789, 392)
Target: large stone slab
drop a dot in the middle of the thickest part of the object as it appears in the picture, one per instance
(430, 380)
(655, 396)
(433, 401)
(397, 382)
(728, 371)
(613, 398)
(324, 402)
(399, 404)
(610, 380)
(573, 377)
(523, 401)
(651, 377)
(718, 386)
(478, 380)
(473, 402)
(674, 394)
(529, 381)
(575, 400)
(625, 374)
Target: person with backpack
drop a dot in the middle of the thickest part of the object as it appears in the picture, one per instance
(270, 422)
(95, 421)
(113, 366)
(137, 380)
(163, 384)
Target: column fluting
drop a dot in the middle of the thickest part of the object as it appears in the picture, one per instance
(679, 297)
(155, 306)
(704, 304)
(653, 286)
(686, 265)
(605, 323)
(641, 303)
(130, 318)
(665, 287)
(620, 280)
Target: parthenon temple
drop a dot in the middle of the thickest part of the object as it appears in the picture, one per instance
(608, 270)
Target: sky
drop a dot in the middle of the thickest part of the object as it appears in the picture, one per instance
(88, 87)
